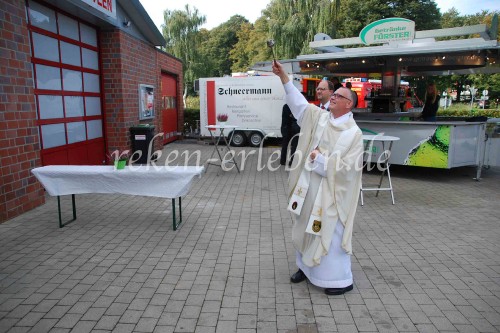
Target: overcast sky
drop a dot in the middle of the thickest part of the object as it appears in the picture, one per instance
(218, 11)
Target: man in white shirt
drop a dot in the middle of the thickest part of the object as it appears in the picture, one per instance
(324, 91)
(324, 184)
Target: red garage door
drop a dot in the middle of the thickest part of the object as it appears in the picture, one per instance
(169, 107)
(66, 72)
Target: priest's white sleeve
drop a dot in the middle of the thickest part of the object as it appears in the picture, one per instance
(319, 165)
(296, 101)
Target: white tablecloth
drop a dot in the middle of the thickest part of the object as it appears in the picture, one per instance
(163, 182)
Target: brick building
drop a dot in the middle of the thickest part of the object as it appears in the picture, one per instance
(75, 76)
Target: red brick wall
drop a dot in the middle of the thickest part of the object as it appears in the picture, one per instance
(19, 141)
(126, 63)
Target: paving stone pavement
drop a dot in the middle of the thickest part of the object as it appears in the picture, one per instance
(429, 263)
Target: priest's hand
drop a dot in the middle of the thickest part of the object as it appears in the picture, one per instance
(280, 71)
(319, 162)
(314, 153)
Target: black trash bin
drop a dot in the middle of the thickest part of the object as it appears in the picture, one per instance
(141, 137)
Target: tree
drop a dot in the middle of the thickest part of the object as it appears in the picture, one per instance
(251, 46)
(221, 40)
(490, 82)
(293, 24)
(451, 19)
(181, 32)
(355, 15)
(240, 54)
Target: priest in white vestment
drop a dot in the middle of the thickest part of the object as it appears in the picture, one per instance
(324, 184)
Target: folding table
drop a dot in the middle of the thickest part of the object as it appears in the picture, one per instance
(217, 144)
(145, 180)
(382, 162)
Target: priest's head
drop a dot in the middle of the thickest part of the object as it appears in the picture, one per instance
(341, 102)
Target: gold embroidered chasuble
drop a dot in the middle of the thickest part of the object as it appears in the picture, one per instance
(340, 189)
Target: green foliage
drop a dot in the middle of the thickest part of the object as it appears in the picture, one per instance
(452, 18)
(491, 82)
(217, 47)
(193, 102)
(240, 55)
(293, 24)
(251, 46)
(181, 34)
(191, 114)
(459, 83)
(355, 14)
(464, 110)
(191, 118)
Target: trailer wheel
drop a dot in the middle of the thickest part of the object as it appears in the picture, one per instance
(255, 139)
(238, 139)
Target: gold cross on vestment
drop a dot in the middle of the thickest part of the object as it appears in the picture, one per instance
(299, 191)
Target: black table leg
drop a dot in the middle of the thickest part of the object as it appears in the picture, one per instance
(175, 224)
(59, 208)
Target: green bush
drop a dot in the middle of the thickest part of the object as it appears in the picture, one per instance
(190, 118)
(191, 113)
(464, 110)
(193, 102)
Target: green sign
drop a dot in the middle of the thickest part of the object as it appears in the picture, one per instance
(388, 30)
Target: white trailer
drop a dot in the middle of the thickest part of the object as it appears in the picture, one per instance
(254, 104)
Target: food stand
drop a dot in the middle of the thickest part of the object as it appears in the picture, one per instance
(431, 144)
(394, 50)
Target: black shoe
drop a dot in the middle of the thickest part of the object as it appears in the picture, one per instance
(298, 277)
(337, 291)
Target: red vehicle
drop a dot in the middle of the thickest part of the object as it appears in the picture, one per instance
(363, 88)
(370, 88)
(309, 89)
